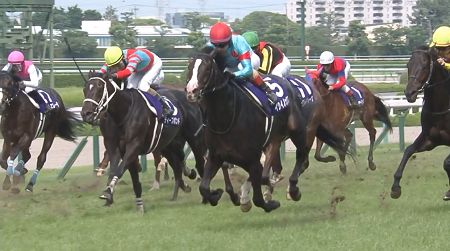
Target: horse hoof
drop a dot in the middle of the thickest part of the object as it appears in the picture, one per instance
(204, 201)
(246, 207)
(329, 159)
(288, 196)
(295, 194)
(173, 199)
(187, 189)
(236, 201)
(372, 166)
(267, 196)
(140, 209)
(29, 188)
(271, 205)
(15, 190)
(192, 175)
(447, 196)
(105, 196)
(6, 185)
(396, 193)
(215, 197)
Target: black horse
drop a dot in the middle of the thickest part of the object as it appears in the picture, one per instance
(238, 129)
(139, 131)
(22, 122)
(426, 75)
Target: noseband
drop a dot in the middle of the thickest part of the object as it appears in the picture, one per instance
(106, 97)
(205, 90)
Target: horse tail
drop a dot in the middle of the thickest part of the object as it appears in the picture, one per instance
(67, 126)
(382, 114)
(337, 143)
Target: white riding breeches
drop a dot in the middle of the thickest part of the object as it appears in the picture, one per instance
(283, 68)
(255, 62)
(39, 77)
(332, 79)
(143, 80)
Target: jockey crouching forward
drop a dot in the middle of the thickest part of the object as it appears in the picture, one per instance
(31, 76)
(338, 70)
(237, 51)
(273, 61)
(142, 68)
(441, 42)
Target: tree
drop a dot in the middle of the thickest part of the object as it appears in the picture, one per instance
(415, 36)
(149, 21)
(196, 39)
(74, 16)
(92, 15)
(123, 34)
(358, 41)
(59, 18)
(195, 21)
(330, 22)
(430, 14)
(82, 45)
(111, 14)
(392, 39)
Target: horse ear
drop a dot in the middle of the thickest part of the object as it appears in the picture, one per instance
(213, 53)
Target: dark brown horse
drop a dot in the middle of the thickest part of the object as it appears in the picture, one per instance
(426, 75)
(340, 116)
(138, 131)
(22, 122)
(238, 129)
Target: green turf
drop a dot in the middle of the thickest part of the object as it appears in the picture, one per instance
(67, 215)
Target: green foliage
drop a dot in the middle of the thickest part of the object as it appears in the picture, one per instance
(74, 16)
(391, 39)
(358, 41)
(111, 14)
(196, 40)
(124, 36)
(92, 15)
(81, 44)
(147, 21)
(195, 21)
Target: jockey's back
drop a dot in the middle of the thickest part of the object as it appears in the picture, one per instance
(337, 67)
(137, 60)
(270, 55)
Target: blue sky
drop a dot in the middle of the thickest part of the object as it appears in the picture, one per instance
(232, 8)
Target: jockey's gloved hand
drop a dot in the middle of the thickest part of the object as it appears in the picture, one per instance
(229, 75)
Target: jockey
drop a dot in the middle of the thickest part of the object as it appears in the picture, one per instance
(337, 70)
(441, 41)
(237, 51)
(28, 72)
(142, 68)
(273, 60)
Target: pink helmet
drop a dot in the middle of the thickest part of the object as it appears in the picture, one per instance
(16, 57)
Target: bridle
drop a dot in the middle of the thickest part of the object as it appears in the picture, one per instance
(102, 104)
(12, 93)
(427, 84)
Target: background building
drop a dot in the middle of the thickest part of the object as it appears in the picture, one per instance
(177, 19)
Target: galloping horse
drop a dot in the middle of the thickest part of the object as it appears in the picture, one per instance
(22, 122)
(239, 127)
(140, 129)
(340, 116)
(426, 75)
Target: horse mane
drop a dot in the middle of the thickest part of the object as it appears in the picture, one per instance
(424, 47)
(218, 58)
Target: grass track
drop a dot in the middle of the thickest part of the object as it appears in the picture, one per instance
(67, 215)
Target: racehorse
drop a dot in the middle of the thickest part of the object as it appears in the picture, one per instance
(238, 129)
(22, 121)
(140, 129)
(340, 115)
(426, 75)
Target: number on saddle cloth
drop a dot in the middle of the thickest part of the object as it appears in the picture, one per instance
(260, 97)
(155, 106)
(304, 91)
(43, 99)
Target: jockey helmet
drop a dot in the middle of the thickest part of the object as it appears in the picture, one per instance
(441, 37)
(113, 55)
(326, 57)
(251, 38)
(16, 58)
(220, 33)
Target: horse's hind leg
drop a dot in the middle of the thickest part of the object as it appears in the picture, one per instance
(157, 158)
(256, 181)
(175, 157)
(229, 187)
(317, 155)
(101, 169)
(212, 166)
(276, 177)
(137, 186)
(48, 141)
(368, 124)
(348, 139)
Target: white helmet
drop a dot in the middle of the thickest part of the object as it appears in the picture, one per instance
(326, 57)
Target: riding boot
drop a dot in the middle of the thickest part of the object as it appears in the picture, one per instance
(270, 95)
(166, 108)
(353, 101)
(48, 108)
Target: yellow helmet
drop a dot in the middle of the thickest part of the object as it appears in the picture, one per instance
(441, 37)
(113, 55)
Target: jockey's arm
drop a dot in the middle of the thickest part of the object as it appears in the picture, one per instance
(340, 80)
(131, 67)
(104, 68)
(266, 61)
(34, 78)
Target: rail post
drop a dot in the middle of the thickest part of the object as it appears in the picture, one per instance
(401, 130)
(143, 162)
(96, 150)
(72, 159)
(283, 151)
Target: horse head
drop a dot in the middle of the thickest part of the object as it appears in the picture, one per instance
(98, 92)
(318, 79)
(9, 88)
(205, 74)
(424, 72)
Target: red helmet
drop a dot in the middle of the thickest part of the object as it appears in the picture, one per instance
(220, 33)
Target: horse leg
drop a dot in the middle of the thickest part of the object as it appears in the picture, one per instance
(276, 177)
(48, 141)
(114, 156)
(211, 167)
(348, 139)
(420, 144)
(130, 155)
(368, 124)
(26, 156)
(101, 169)
(447, 170)
(24, 143)
(272, 151)
(3, 163)
(318, 157)
(137, 186)
(198, 148)
(256, 182)
(175, 157)
(157, 161)
(229, 187)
